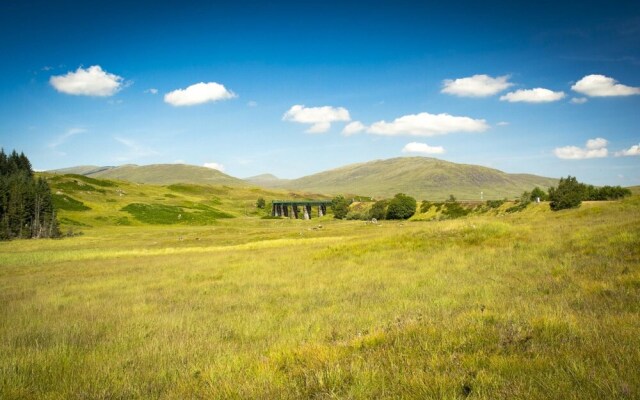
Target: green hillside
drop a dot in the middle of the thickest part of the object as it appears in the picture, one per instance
(424, 178)
(85, 202)
(159, 174)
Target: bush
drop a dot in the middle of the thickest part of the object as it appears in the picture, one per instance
(495, 203)
(378, 210)
(260, 203)
(340, 207)
(538, 193)
(568, 194)
(425, 206)
(401, 207)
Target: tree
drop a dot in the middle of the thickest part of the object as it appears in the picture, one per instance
(538, 193)
(260, 203)
(568, 194)
(378, 210)
(340, 207)
(401, 207)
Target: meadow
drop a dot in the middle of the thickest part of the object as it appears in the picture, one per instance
(528, 305)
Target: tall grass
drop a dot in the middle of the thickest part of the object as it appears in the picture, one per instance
(525, 306)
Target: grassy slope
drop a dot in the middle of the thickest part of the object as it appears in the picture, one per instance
(421, 177)
(160, 174)
(531, 305)
(86, 202)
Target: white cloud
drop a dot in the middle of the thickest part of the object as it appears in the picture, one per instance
(252, 103)
(579, 100)
(152, 91)
(594, 148)
(476, 86)
(537, 95)
(415, 147)
(198, 93)
(603, 86)
(320, 117)
(425, 124)
(353, 128)
(92, 81)
(631, 151)
(502, 123)
(214, 165)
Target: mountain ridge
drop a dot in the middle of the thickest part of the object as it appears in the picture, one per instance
(421, 177)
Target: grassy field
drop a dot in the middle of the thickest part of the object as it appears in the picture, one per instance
(530, 305)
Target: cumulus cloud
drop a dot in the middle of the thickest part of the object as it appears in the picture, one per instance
(537, 95)
(579, 100)
(198, 93)
(594, 148)
(320, 118)
(603, 86)
(92, 81)
(415, 147)
(425, 124)
(631, 151)
(353, 128)
(476, 86)
(214, 165)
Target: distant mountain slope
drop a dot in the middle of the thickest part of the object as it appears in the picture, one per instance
(266, 180)
(422, 177)
(159, 174)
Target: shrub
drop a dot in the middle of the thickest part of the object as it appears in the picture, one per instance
(425, 206)
(340, 207)
(401, 207)
(378, 210)
(538, 193)
(568, 194)
(260, 203)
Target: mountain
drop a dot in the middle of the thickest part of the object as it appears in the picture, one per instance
(159, 174)
(421, 177)
(266, 180)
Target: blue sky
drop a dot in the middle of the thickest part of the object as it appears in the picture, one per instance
(294, 88)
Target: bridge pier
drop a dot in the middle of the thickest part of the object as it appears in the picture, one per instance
(280, 208)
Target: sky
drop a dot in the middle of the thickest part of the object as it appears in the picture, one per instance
(297, 87)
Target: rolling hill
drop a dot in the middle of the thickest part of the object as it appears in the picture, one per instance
(158, 174)
(421, 177)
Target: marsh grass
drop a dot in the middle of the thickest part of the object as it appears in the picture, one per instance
(533, 305)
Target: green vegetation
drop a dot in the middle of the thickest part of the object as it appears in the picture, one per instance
(379, 210)
(419, 177)
(260, 203)
(26, 207)
(340, 207)
(401, 207)
(64, 202)
(164, 214)
(393, 310)
(129, 306)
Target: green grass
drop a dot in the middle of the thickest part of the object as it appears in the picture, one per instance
(530, 305)
(67, 203)
(163, 214)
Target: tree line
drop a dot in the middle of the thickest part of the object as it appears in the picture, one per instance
(26, 206)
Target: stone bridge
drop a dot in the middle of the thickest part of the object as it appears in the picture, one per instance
(290, 208)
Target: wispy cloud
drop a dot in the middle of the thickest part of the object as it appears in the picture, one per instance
(134, 149)
(594, 148)
(198, 93)
(578, 100)
(92, 81)
(476, 86)
(320, 118)
(58, 141)
(151, 91)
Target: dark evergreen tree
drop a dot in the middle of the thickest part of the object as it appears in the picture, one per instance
(568, 194)
(26, 206)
